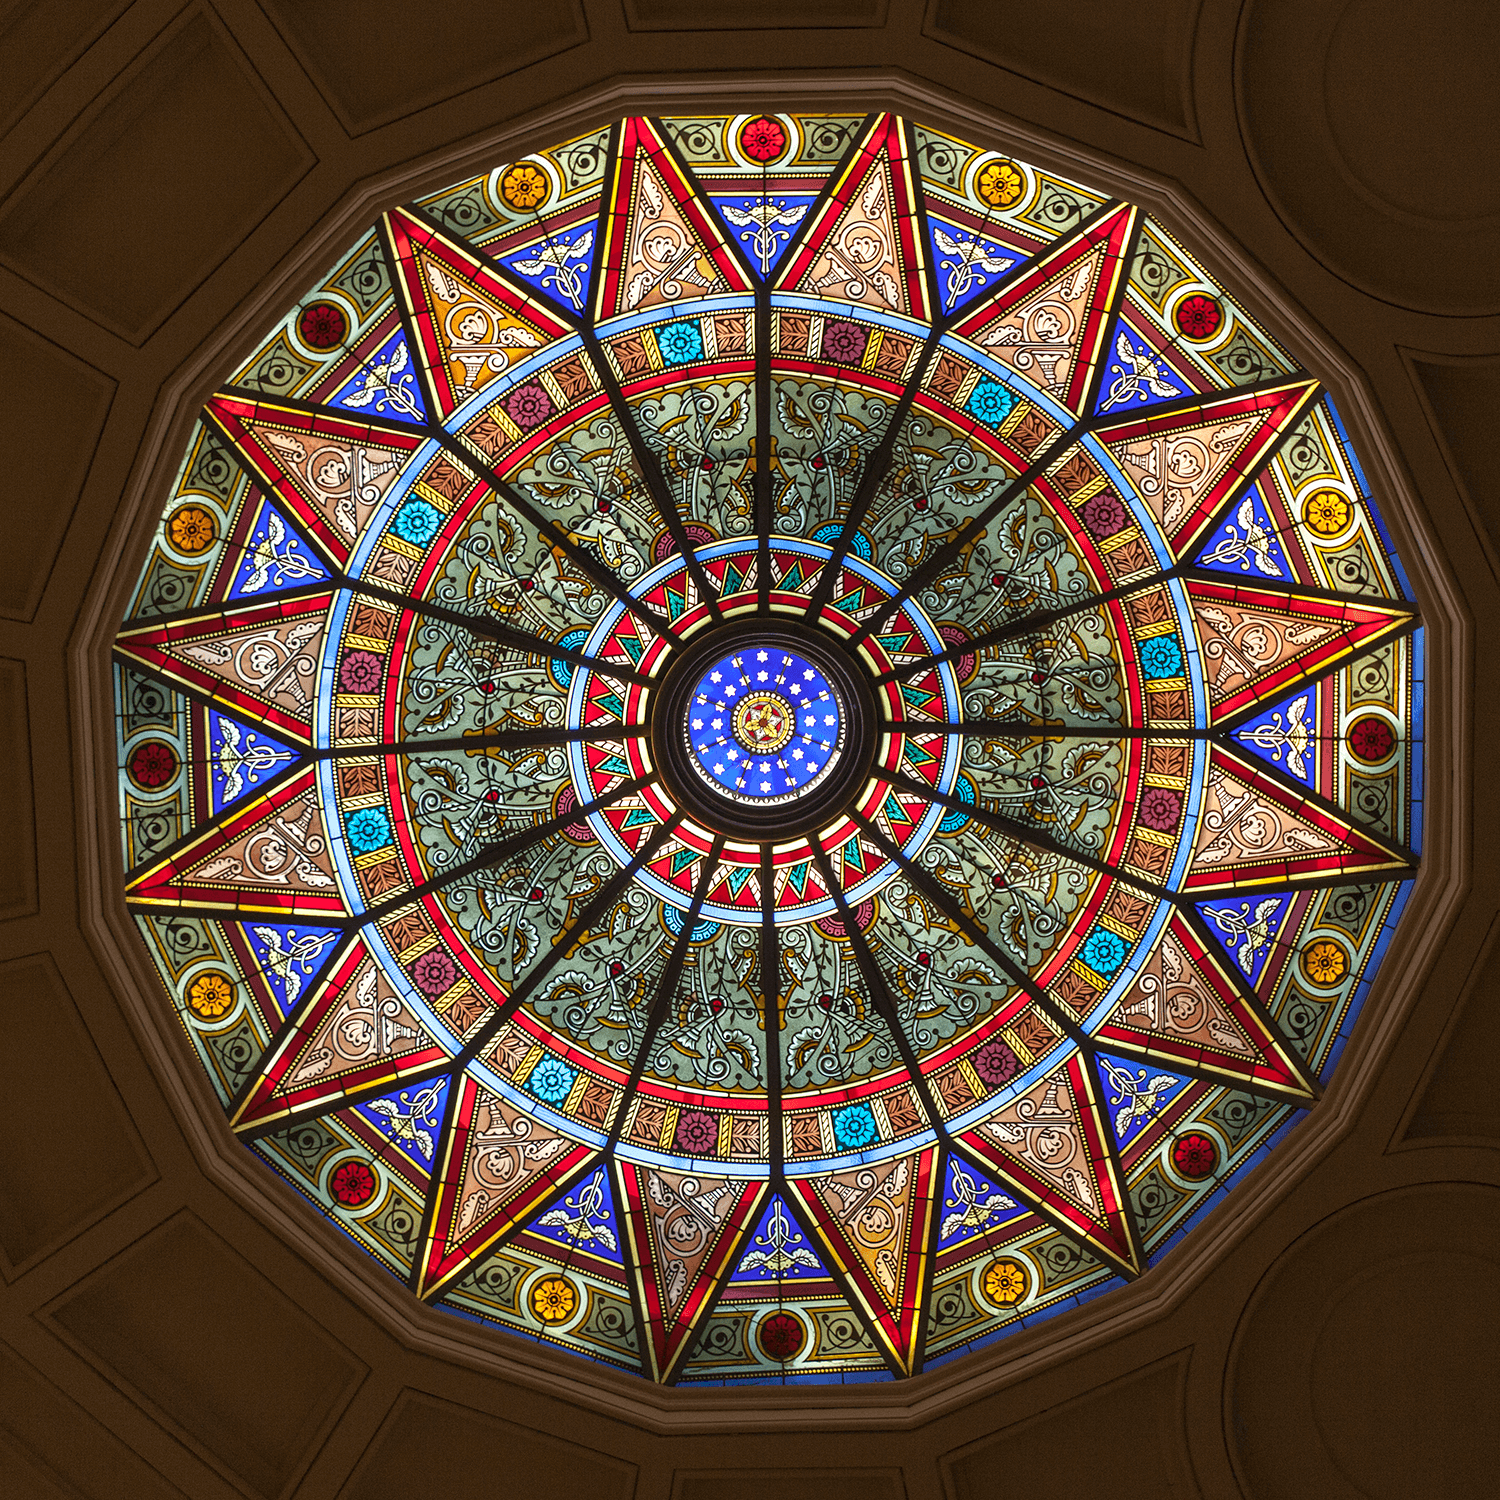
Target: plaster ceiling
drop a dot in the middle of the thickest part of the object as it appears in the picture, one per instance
(163, 1329)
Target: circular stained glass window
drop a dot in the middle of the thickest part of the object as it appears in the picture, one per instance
(768, 748)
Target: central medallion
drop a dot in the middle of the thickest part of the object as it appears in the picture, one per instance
(764, 722)
(766, 731)
(764, 725)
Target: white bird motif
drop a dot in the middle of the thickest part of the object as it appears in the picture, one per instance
(551, 263)
(766, 223)
(386, 385)
(1253, 931)
(273, 553)
(971, 262)
(1138, 1097)
(1136, 370)
(284, 961)
(1258, 539)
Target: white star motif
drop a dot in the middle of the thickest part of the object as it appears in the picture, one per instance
(794, 688)
(761, 676)
(807, 676)
(715, 676)
(765, 786)
(797, 754)
(698, 724)
(716, 723)
(733, 756)
(760, 656)
(830, 719)
(729, 691)
(719, 768)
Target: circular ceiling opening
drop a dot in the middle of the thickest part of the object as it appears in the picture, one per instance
(768, 748)
(765, 729)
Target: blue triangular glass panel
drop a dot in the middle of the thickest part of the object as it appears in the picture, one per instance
(1245, 543)
(973, 1206)
(1134, 1093)
(410, 1118)
(778, 1250)
(241, 758)
(1284, 734)
(969, 263)
(276, 558)
(290, 956)
(584, 1218)
(560, 266)
(1247, 928)
(385, 385)
(763, 225)
(1135, 375)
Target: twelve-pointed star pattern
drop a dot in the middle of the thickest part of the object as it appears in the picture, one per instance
(563, 1056)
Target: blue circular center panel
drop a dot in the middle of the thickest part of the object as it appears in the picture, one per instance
(764, 725)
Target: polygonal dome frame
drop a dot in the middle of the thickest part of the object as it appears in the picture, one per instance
(1432, 895)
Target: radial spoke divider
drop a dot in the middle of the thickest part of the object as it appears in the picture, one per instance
(666, 986)
(879, 991)
(606, 897)
(1029, 835)
(495, 630)
(553, 534)
(771, 1009)
(972, 529)
(876, 469)
(502, 849)
(650, 469)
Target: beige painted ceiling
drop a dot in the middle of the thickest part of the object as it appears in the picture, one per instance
(171, 1324)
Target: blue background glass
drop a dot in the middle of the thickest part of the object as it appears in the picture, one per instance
(783, 759)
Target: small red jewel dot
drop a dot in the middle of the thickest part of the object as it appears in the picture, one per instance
(716, 1004)
(998, 579)
(492, 796)
(925, 959)
(536, 893)
(616, 969)
(1039, 678)
(527, 585)
(486, 687)
(826, 1001)
(998, 881)
(920, 503)
(707, 465)
(1038, 782)
(818, 461)
(604, 507)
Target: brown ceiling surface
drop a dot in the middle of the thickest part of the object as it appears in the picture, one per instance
(166, 1332)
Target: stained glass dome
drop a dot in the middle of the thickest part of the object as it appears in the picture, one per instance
(768, 748)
